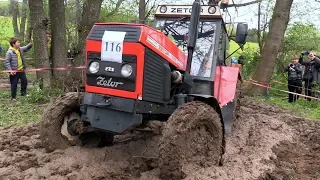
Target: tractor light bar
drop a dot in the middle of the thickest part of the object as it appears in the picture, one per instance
(212, 10)
(181, 10)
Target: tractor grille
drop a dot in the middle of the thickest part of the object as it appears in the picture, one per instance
(132, 32)
(154, 77)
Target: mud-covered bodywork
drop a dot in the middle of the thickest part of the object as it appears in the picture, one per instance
(154, 57)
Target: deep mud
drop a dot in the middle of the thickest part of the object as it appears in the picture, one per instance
(266, 144)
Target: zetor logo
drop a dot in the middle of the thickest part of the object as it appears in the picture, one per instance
(182, 10)
(109, 69)
(107, 83)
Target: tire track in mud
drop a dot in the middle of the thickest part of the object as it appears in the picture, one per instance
(266, 144)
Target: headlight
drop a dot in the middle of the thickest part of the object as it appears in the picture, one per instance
(126, 70)
(94, 67)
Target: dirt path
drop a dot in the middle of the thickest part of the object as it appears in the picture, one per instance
(5, 84)
(266, 144)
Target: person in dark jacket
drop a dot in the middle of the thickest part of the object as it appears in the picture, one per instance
(294, 70)
(311, 75)
(15, 61)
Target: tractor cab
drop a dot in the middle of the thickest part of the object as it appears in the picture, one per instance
(212, 41)
(211, 45)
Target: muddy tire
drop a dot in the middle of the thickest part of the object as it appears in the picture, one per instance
(193, 135)
(53, 119)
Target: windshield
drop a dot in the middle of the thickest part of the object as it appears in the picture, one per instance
(177, 31)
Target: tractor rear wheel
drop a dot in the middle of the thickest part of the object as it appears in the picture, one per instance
(193, 135)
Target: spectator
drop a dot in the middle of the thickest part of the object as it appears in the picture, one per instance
(15, 61)
(234, 60)
(294, 70)
(241, 60)
(311, 74)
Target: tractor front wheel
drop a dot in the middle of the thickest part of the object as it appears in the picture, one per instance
(54, 122)
(192, 138)
(55, 125)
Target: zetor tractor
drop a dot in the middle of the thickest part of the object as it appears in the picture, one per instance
(174, 72)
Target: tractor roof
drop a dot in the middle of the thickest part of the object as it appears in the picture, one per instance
(207, 11)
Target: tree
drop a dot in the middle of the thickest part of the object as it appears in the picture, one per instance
(19, 33)
(39, 23)
(145, 9)
(15, 13)
(90, 15)
(278, 26)
(24, 16)
(58, 44)
(142, 10)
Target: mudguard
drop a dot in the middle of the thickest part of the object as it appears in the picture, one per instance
(225, 84)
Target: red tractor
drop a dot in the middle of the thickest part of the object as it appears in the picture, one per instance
(174, 72)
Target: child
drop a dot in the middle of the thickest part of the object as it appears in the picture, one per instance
(15, 61)
(294, 70)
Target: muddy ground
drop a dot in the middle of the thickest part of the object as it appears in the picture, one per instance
(267, 143)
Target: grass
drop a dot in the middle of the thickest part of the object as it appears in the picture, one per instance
(301, 108)
(17, 113)
(25, 109)
(248, 46)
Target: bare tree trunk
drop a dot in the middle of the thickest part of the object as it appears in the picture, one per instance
(29, 29)
(142, 11)
(278, 26)
(15, 14)
(58, 44)
(39, 23)
(90, 15)
(23, 19)
(259, 28)
(78, 13)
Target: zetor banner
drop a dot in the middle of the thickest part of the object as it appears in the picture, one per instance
(178, 10)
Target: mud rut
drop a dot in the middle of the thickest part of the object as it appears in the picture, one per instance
(266, 144)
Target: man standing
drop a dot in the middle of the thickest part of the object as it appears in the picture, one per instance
(294, 70)
(311, 74)
(15, 61)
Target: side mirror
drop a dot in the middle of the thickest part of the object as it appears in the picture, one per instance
(194, 24)
(241, 34)
(193, 31)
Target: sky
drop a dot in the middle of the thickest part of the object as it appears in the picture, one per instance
(301, 11)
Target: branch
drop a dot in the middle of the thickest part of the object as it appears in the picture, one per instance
(149, 12)
(244, 4)
(119, 2)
